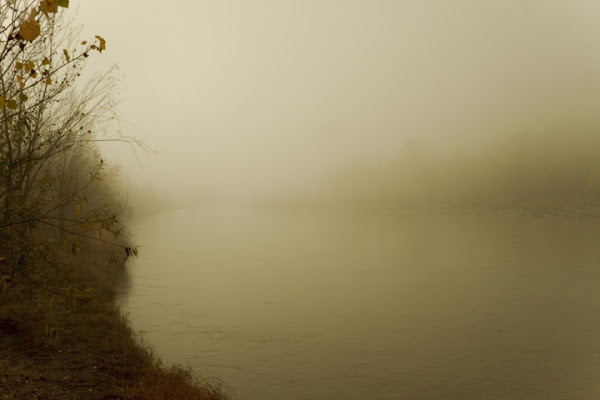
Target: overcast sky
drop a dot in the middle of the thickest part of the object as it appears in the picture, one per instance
(256, 93)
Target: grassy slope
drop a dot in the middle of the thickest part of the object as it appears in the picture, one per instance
(92, 352)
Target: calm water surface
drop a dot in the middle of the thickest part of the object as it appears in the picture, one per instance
(319, 306)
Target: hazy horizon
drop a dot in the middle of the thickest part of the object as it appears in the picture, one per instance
(485, 107)
(252, 99)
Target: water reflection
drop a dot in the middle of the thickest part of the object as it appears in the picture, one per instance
(308, 305)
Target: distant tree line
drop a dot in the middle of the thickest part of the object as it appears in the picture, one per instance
(550, 170)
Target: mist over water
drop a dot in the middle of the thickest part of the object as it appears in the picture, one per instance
(366, 199)
(307, 305)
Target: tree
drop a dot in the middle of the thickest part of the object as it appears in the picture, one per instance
(54, 186)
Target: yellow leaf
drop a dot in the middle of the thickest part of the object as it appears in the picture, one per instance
(11, 104)
(102, 43)
(48, 6)
(84, 43)
(30, 29)
(46, 61)
(18, 65)
(30, 65)
(67, 56)
(2, 102)
(48, 81)
(33, 74)
(21, 84)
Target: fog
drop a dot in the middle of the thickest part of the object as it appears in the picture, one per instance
(268, 100)
(304, 108)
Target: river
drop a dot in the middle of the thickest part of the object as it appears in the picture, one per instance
(313, 305)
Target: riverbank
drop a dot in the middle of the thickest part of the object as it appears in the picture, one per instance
(69, 348)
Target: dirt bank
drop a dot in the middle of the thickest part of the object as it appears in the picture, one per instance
(89, 352)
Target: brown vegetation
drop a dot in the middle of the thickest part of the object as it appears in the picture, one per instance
(62, 244)
(61, 347)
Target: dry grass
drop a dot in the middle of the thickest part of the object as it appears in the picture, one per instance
(59, 347)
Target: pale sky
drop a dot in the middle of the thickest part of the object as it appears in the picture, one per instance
(249, 94)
